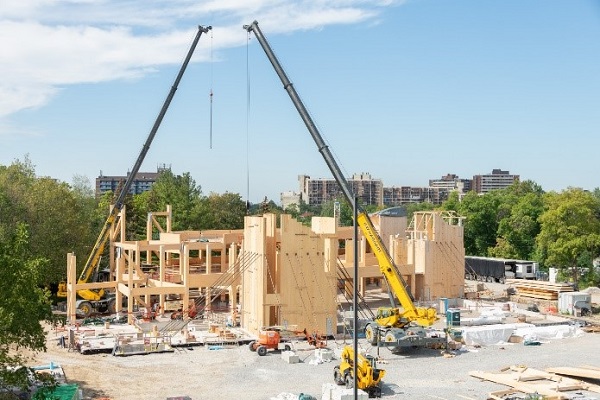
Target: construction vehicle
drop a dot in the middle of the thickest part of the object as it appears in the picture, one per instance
(392, 327)
(98, 300)
(269, 339)
(367, 373)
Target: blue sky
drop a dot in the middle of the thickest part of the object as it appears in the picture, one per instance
(405, 90)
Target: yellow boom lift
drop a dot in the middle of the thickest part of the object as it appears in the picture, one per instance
(98, 300)
(392, 326)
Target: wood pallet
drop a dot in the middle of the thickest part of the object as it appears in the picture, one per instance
(528, 381)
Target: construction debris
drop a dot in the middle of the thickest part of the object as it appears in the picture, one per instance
(160, 335)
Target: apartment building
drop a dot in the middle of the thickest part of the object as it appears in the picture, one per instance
(497, 179)
(451, 182)
(316, 192)
(142, 183)
(398, 195)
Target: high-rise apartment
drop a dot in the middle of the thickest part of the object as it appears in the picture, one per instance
(142, 183)
(316, 192)
(498, 179)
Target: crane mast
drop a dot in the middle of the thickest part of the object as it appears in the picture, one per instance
(422, 316)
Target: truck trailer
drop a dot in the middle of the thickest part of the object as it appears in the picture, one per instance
(491, 269)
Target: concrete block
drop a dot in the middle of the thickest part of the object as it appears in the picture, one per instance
(342, 393)
(324, 354)
(290, 357)
(326, 390)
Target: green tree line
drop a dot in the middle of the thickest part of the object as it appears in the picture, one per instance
(558, 229)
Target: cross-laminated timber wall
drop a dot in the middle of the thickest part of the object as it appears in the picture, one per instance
(293, 281)
(435, 247)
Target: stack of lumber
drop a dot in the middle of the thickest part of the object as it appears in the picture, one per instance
(551, 385)
(539, 289)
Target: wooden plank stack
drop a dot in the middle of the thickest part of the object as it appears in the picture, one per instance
(539, 289)
(552, 386)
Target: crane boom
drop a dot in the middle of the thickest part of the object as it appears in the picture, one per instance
(422, 316)
(100, 244)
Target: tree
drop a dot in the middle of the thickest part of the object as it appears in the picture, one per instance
(452, 203)
(15, 181)
(23, 306)
(345, 211)
(519, 210)
(481, 222)
(182, 193)
(302, 212)
(57, 218)
(57, 224)
(570, 231)
(224, 211)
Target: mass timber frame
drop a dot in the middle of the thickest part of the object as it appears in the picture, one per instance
(435, 248)
(280, 271)
(173, 265)
(429, 253)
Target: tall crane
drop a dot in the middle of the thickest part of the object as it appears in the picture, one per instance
(391, 326)
(97, 300)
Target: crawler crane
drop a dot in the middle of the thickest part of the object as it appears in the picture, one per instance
(392, 326)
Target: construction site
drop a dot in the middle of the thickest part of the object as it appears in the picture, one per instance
(281, 310)
(294, 280)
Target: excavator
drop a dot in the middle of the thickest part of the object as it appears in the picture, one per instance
(392, 326)
(98, 300)
(368, 375)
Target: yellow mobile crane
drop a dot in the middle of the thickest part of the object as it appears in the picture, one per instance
(392, 327)
(92, 300)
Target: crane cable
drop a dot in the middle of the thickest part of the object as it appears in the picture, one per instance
(248, 124)
(211, 91)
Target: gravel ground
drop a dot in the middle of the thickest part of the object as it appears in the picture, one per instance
(235, 372)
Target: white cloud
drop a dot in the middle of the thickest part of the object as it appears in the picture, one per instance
(49, 44)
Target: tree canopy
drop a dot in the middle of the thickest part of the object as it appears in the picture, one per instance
(518, 222)
(24, 305)
(570, 232)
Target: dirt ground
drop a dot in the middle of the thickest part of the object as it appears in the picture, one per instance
(234, 372)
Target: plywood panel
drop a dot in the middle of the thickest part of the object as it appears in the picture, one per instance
(308, 281)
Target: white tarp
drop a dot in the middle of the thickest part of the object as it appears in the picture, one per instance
(549, 332)
(499, 334)
(490, 334)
